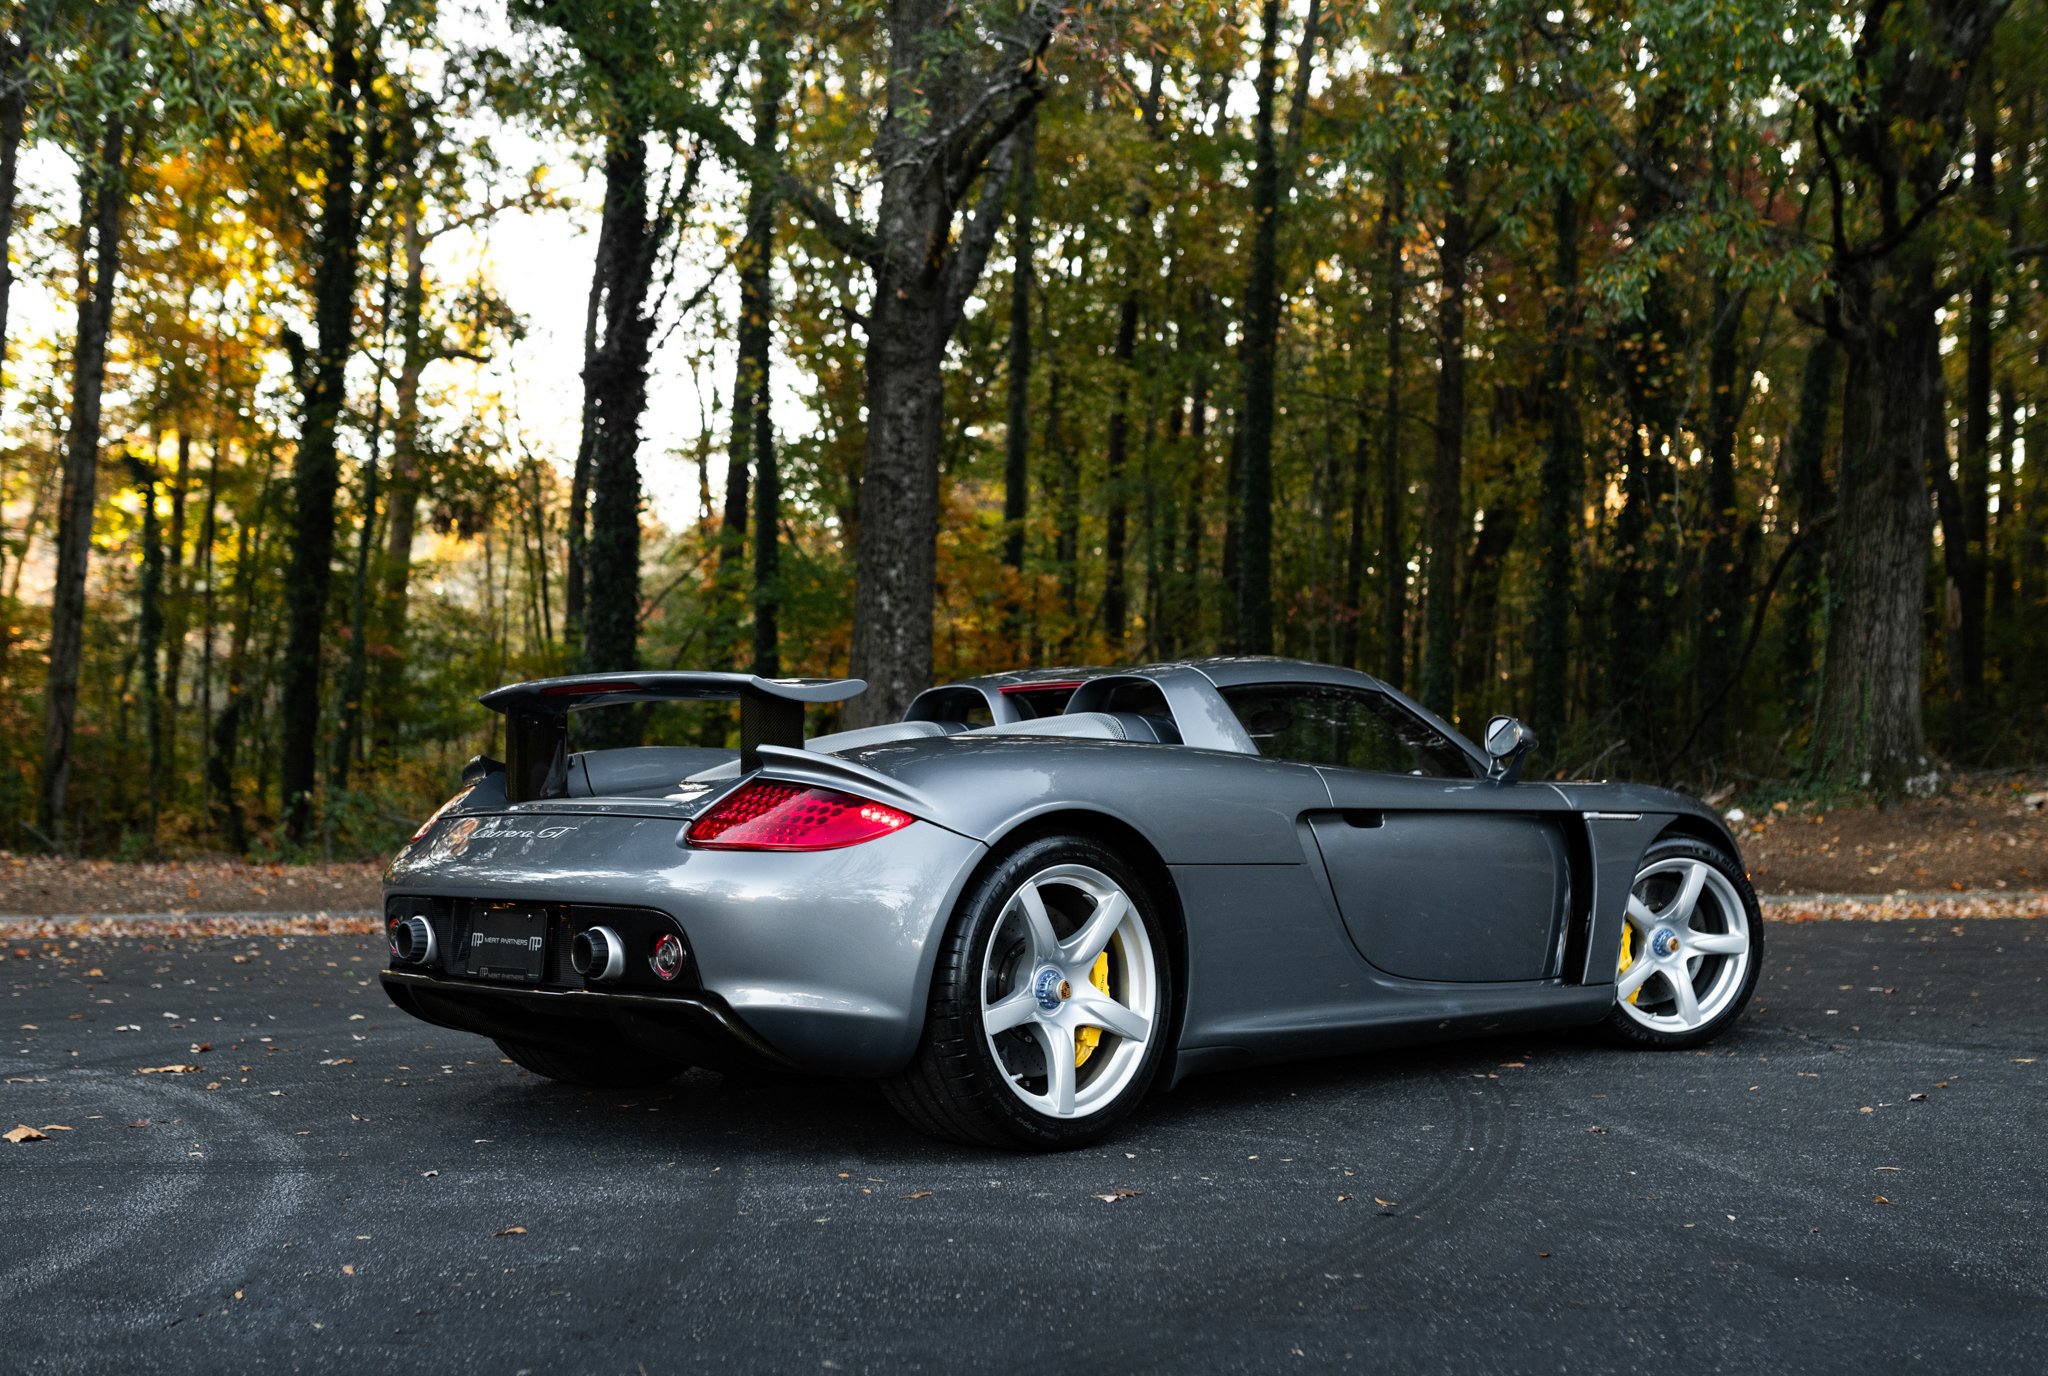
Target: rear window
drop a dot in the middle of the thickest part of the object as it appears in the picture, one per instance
(1343, 728)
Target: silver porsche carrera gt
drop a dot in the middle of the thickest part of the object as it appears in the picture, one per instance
(1043, 895)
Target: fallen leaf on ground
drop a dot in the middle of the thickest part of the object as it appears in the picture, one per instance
(1120, 1192)
(1385, 1203)
(55, 1127)
(921, 1194)
(165, 1069)
(509, 1232)
(1915, 1098)
(339, 1060)
(348, 1270)
(22, 1132)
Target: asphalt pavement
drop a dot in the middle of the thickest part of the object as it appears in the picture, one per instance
(1850, 1181)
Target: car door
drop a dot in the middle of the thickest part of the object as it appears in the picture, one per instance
(1439, 874)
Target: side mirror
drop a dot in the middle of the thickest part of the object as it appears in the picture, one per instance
(1508, 743)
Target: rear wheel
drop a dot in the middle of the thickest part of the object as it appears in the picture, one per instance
(1050, 1005)
(603, 1062)
(1691, 947)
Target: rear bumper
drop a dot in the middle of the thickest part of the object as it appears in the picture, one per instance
(823, 957)
(696, 1028)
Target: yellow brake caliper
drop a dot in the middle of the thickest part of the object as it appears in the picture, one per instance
(1085, 1038)
(1627, 951)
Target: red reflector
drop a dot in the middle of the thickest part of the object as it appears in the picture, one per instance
(777, 816)
(584, 690)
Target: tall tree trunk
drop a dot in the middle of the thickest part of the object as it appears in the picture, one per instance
(1721, 592)
(149, 635)
(577, 532)
(615, 396)
(1561, 484)
(16, 46)
(1253, 447)
(1883, 307)
(1254, 441)
(1479, 601)
(1017, 432)
(106, 191)
(896, 564)
(767, 476)
(177, 613)
(348, 733)
(1393, 475)
(224, 744)
(1869, 732)
(750, 376)
(1447, 474)
(1195, 521)
(208, 605)
(1064, 483)
(1115, 458)
(394, 596)
(1809, 501)
(317, 468)
(1974, 470)
(1116, 447)
(752, 434)
(1353, 608)
(923, 275)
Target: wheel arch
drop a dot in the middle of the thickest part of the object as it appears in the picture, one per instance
(1685, 826)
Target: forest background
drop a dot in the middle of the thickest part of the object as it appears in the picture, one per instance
(1661, 372)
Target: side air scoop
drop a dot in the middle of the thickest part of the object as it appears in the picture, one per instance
(537, 715)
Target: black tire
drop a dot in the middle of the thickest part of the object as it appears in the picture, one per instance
(1722, 982)
(602, 1063)
(955, 1086)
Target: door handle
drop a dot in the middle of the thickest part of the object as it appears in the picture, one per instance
(1363, 817)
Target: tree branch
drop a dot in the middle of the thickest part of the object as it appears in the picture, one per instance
(855, 241)
(970, 255)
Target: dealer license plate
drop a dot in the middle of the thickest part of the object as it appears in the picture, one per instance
(507, 944)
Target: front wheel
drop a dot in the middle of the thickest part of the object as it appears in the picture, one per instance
(1691, 947)
(1050, 1007)
(601, 1063)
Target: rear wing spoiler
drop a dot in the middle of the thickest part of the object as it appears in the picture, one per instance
(537, 715)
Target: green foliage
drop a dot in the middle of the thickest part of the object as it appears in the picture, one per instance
(1689, 132)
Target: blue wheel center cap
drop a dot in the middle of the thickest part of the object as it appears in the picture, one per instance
(1664, 941)
(1050, 988)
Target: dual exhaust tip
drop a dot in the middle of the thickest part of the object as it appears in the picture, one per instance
(596, 953)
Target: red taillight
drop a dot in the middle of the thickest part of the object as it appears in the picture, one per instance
(428, 825)
(775, 816)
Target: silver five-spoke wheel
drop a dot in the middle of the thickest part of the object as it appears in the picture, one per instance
(1685, 954)
(1070, 991)
(1052, 1005)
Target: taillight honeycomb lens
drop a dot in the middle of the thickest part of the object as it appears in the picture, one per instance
(777, 816)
